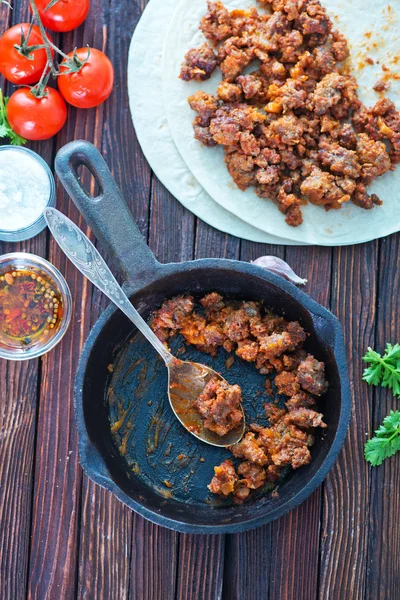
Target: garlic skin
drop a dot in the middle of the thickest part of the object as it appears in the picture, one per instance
(279, 267)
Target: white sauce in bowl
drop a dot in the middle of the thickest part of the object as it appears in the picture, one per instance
(24, 189)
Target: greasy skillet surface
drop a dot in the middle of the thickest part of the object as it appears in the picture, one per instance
(148, 283)
(139, 378)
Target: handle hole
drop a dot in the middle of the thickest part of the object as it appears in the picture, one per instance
(89, 181)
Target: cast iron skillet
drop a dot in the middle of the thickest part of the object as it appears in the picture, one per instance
(149, 461)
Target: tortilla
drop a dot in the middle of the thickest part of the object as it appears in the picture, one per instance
(373, 31)
(152, 130)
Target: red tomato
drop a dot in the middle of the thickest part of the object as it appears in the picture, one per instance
(65, 15)
(92, 84)
(16, 67)
(36, 118)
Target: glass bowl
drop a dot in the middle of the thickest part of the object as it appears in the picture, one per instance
(29, 231)
(22, 260)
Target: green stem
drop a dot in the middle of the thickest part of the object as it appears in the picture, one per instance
(388, 365)
(46, 40)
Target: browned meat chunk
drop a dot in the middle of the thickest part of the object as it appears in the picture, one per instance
(287, 383)
(286, 130)
(204, 104)
(301, 399)
(199, 64)
(340, 160)
(253, 475)
(224, 480)
(311, 376)
(252, 86)
(362, 199)
(213, 302)
(233, 56)
(330, 91)
(248, 350)
(229, 92)
(241, 168)
(249, 448)
(216, 24)
(171, 316)
(219, 405)
(286, 445)
(304, 418)
(274, 413)
(322, 188)
(202, 133)
(373, 157)
(381, 85)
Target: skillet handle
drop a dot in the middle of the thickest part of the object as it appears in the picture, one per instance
(107, 214)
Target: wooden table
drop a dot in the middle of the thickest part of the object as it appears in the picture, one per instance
(62, 537)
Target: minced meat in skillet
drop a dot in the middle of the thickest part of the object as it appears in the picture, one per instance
(219, 405)
(275, 346)
(294, 128)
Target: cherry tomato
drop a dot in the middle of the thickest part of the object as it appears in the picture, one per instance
(16, 67)
(92, 84)
(36, 118)
(65, 15)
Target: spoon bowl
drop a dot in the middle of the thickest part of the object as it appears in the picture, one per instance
(186, 382)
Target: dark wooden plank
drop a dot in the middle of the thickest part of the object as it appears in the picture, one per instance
(247, 565)
(344, 531)
(154, 559)
(297, 534)
(18, 411)
(211, 243)
(106, 524)
(200, 567)
(172, 227)
(53, 559)
(383, 573)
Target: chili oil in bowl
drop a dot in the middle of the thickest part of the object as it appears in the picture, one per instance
(35, 306)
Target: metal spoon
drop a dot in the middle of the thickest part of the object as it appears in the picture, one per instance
(186, 380)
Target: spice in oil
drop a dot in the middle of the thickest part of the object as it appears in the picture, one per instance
(30, 308)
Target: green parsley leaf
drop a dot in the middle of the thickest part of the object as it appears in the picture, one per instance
(386, 441)
(384, 370)
(5, 127)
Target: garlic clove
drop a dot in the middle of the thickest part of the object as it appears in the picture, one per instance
(279, 267)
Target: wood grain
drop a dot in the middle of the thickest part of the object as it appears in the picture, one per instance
(344, 530)
(154, 561)
(384, 503)
(19, 384)
(247, 565)
(200, 554)
(106, 524)
(53, 568)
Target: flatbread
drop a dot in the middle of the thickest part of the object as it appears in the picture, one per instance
(373, 29)
(151, 125)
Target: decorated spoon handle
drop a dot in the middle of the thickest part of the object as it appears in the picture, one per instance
(81, 252)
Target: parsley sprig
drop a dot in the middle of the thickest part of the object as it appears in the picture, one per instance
(5, 128)
(384, 370)
(386, 441)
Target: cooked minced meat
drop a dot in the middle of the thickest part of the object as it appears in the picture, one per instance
(275, 346)
(294, 129)
(219, 405)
